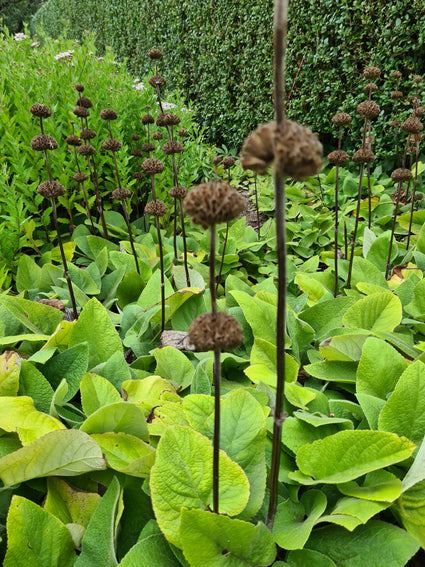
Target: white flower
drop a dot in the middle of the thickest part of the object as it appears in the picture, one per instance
(35, 44)
(168, 105)
(19, 37)
(138, 86)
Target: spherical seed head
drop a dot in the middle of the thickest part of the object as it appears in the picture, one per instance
(415, 100)
(417, 137)
(138, 175)
(396, 74)
(40, 110)
(172, 147)
(417, 79)
(213, 202)
(419, 111)
(338, 157)
(148, 147)
(179, 192)
(81, 112)
(51, 189)
(401, 174)
(371, 73)
(155, 54)
(167, 119)
(412, 125)
(217, 160)
(363, 156)
(121, 193)
(135, 137)
(228, 162)
(112, 145)
(156, 208)
(341, 119)
(370, 88)
(87, 134)
(396, 95)
(136, 152)
(296, 153)
(86, 150)
(108, 114)
(79, 88)
(73, 140)
(210, 333)
(84, 102)
(151, 166)
(368, 109)
(80, 177)
(42, 142)
(157, 136)
(182, 133)
(157, 81)
(147, 119)
(56, 303)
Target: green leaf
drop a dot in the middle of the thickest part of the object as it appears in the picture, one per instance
(95, 327)
(98, 544)
(59, 453)
(371, 407)
(38, 318)
(375, 312)
(129, 290)
(350, 454)
(9, 373)
(296, 433)
(184, 457)
(32, 383)
(115, 369)
(295, 520)
(326, 315)
(70, 505)
(416, 307)
(365, 271)
(380, 486)
(362, 510)
(83, 280)
(416, 473)
(28, 274)
(36, 538)
(404, 412)
(70, 365)
(378, 252)
(121, 417)
(148, 388)
(333, 371)
(410, 509)
(298, 396)
(175, 301)
(418, 220)
(151, 295)
(344, 348)
(211, 540)
(308, 283)
(174, 366)
(380, 367)
(152, 549)
(303, 557)
(126, 453)
(261, 315)
(96, 392)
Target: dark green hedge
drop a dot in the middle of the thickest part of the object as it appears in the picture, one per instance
(219, 53)
(15, 12)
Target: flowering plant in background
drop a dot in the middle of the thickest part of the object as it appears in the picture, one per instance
(64, 55)
(19, 37)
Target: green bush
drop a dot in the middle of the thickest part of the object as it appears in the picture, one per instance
(15, 12)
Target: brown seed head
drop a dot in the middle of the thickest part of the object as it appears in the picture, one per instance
(135, 137)
(148, 147)
(40, 110)
(172, 147)
(338, 157)
(396, 95)
(79, 88)
(368, 109)
(121, 193)
(138, 175)
(80, 177)
(371, 73)
(151, 166)
(155, 54)
(363, 156)
(341, 119)
(401, 174)
(210, 333)
(73, 140)
(417, 79)
(42, 142)
(108, 114)
(51, 189)
(147, 119)
(370, 88)
(182, 133)
(157, 136)
(86, 150)
(415, 100)
(217, 160)
(112, 145)
(213, 202)
(417, 137)
(136, 152)
(412, 125)
(178, 191)
(156, 208)
(419, 111)
(87, 134)
(228, 162)
(85, 102)
(167, 119)
(81, 112)
(396, 74)
(157, 81)
(56, 303)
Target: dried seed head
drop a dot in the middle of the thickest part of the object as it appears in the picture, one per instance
(56, 303)
(79, 88)
(121, 193)
(341, 119)
(412, 125)
(228, 162)
(81, 112)
(112, 145)
(157, 81)
(415, 100)
(108, 114)
(417, 79)
(401, 174)
(40, 110)
(138, 175)
(396, 95)
(42, 142)
(147, 119)
(417, 137)
(213, 202)
(80, 177)
(167, 119)
(370, 88)
(371, 73)
(87, 134)
(51, 189)
(136, 152)
(157, 136)
(148, 147)
(178, 191)
(172, 147)
(363, 156)
(156, 208)
(86, 150)
(396, 74)
(73, 140)
(419, 111)
(155, 54)
(338, 157)
(135, 137)
(151, 166)
(210, 333)
(84, 102)
(368, 109)
(217, 160)
(182, 133)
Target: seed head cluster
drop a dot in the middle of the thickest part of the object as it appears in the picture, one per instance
(51, 189)
(156, 208)
(210, 333)
(213, 202)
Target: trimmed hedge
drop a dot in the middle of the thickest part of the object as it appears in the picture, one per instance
(219, 54)
(15, 12)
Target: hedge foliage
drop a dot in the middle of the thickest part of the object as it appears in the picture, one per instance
(15, 12)
(219, 53)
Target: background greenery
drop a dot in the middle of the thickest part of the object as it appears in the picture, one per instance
(15, 12)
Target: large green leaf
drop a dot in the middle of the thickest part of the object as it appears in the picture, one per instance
(333, 370)
(260, 315)
(36, 538)
(375, 312)
(418, 220)
(126, 453)
(152, 549)
(118, 416)
(66, 452)
(96, 392)
(410, 508)
(9, 373)
(211, 540)
(38, 318)
(344, 348)
(70, 505)
(174, 366)
(350, 454)
(32, 383)
(304, 557)
(28, 274)
(326, 315)
(380, 486)
(182, 478)
(297, 432)
(70, 365)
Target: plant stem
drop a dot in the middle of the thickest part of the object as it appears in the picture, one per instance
(256, 205)
(336, 230)
(130, 235)
(399, 188)
(222, 255)
(356, 224)
(345, 240)
(413, 196)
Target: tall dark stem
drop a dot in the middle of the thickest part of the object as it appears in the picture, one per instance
(222, 255)
(279, 40)
(130, 235)
(256, 205)
(369, 197)
(161, 259)
(356, 224)
(388, 267)
(413, 196)
(336, 231)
